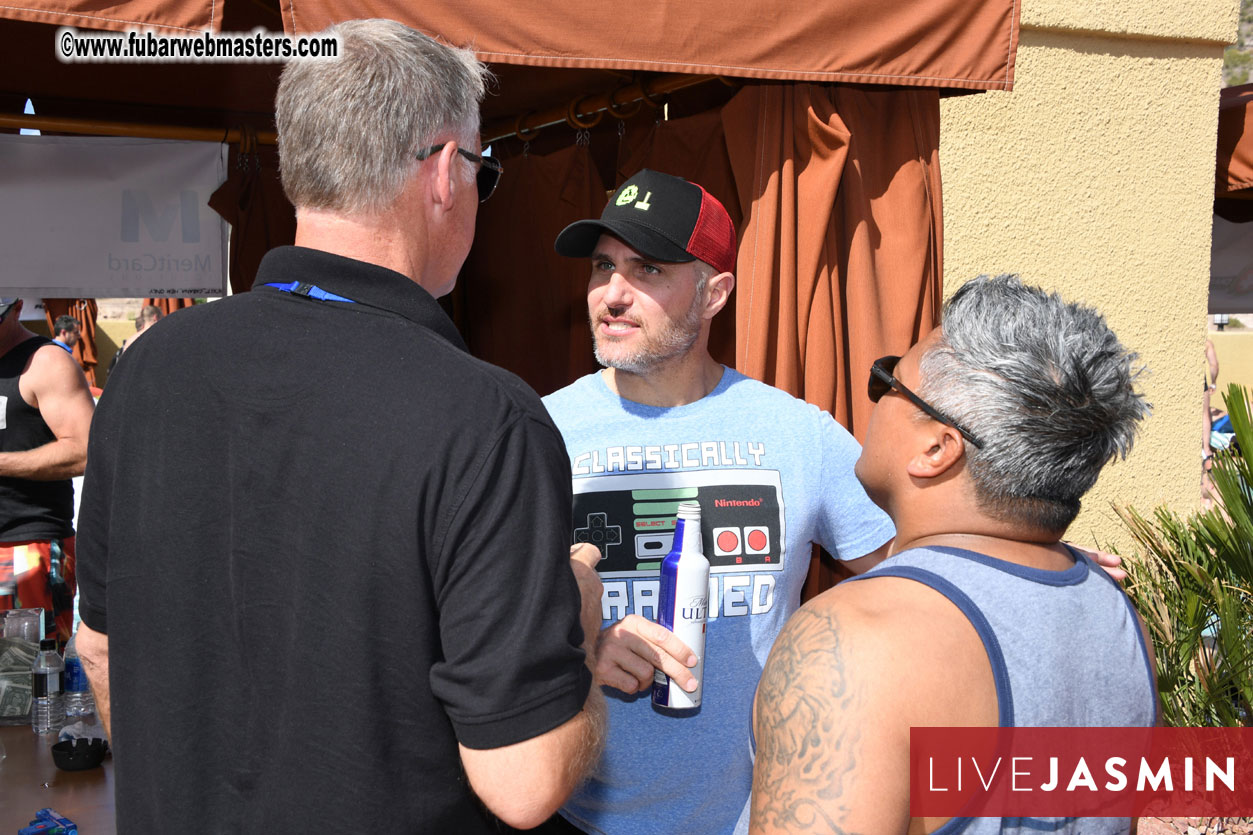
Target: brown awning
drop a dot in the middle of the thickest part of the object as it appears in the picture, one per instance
(544, 54)
(1235, 143)
(966, 44)
(940, 43)
(171, 15)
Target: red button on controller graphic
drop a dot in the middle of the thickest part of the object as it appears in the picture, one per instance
(756, 540)
(727, 542)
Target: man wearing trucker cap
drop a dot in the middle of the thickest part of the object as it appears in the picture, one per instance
(773, 476)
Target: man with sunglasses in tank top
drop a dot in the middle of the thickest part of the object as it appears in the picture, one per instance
(986, 435)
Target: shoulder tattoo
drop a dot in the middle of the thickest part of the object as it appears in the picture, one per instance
(805, 748)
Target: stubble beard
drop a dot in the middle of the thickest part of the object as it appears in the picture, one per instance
(675, 339)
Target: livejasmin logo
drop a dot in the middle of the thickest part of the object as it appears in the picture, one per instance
(1080, 772)
(1023, 772)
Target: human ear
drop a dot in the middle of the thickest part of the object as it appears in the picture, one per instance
(945, 447)
(444, 185)
(719, 289)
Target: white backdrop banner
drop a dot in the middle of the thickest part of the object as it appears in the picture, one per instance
(89, 217)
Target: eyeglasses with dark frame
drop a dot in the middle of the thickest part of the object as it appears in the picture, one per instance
(488, 175)
(881, 381)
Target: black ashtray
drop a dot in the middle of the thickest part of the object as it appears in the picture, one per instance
(79, 754)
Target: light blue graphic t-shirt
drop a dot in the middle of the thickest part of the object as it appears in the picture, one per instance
(773, 474)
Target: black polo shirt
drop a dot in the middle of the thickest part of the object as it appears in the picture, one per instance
(327, 545)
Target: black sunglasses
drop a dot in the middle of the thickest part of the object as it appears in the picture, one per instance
(882, 381)
(489, 172)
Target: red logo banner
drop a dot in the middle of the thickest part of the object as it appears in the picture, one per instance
(1080, 772)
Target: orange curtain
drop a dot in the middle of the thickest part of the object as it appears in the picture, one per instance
(524, 306)
(1234, 177)
(84, 310)
(839, 260)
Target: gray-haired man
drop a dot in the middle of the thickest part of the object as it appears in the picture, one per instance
(339, 593)
(986, 435)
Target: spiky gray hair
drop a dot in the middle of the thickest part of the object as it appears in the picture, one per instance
(1044, 384)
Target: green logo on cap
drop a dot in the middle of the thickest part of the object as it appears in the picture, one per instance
(627, 195)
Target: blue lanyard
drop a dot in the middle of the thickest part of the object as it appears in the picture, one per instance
(310, 291)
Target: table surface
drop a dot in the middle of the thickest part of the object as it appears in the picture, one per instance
(30, 781)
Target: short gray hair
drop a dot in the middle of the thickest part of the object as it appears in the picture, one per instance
(704, 272)
(149, 314)
(349, 127)
(1045, 385)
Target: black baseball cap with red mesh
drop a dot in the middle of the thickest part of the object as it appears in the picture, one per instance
(662, 217)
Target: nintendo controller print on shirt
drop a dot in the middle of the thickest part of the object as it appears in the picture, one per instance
(630, 518)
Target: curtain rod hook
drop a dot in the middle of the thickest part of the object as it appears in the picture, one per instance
(613, 107)
(521, 132)
(572, 116)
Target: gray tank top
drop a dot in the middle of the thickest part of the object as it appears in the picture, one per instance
(1065, 648)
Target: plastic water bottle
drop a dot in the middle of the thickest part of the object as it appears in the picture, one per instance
(684, 606)
(47, 711)
(78, 699)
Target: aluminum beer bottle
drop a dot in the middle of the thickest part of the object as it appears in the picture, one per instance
(683, 607)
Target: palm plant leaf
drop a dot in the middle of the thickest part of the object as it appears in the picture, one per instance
(1192, 582)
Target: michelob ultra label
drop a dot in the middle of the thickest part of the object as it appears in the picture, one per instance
(684, 606)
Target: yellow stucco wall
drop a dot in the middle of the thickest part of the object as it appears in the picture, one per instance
(1094, 178)
(1211, 21)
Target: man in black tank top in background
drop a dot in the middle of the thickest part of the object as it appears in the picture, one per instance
(985, 436)
(45, 414)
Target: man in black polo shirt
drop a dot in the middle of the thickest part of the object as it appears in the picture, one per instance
(324, 550)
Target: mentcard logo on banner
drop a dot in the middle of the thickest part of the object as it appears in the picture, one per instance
(91, 217)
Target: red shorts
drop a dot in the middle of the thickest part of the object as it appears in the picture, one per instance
(44, 575)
